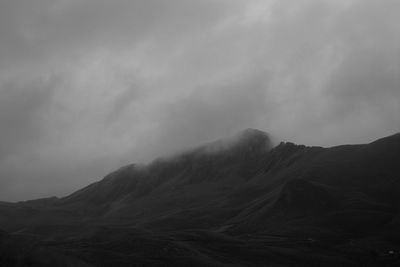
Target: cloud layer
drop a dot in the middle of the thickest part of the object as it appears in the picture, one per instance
(87, 86)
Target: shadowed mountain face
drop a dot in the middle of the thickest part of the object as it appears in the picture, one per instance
(233, 202)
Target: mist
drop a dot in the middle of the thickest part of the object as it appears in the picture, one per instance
(89, 86)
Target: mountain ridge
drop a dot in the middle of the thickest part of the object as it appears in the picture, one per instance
(285, 204)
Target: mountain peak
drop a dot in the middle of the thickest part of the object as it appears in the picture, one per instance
(251, 133)
(247, 139)
(253, 137)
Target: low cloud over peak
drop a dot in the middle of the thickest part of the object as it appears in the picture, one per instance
(88, 86)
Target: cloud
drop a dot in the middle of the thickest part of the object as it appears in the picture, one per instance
(87, 86)
(22, 112)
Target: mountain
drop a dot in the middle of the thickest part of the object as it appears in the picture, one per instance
(239, 201)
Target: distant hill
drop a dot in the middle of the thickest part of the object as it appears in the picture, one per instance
(238, 201)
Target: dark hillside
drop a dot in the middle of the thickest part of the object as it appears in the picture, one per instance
(234, 202)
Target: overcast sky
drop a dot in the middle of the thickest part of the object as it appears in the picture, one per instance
(89, 85)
